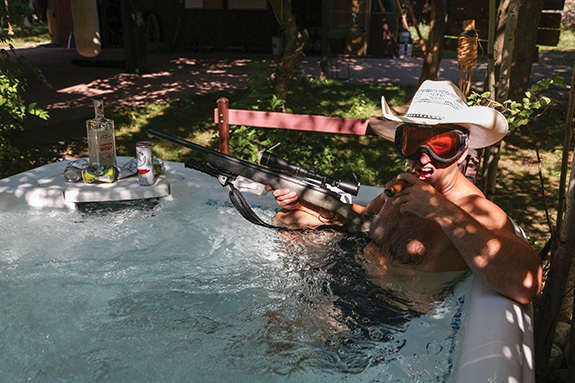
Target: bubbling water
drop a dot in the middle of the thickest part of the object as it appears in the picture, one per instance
(189, 291)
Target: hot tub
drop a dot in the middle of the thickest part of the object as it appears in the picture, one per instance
(140, 302)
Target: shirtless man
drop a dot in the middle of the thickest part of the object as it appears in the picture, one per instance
(440, 222)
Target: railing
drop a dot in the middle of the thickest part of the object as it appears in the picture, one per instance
(224, 117)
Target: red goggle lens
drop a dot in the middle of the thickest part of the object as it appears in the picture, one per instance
(445, 143)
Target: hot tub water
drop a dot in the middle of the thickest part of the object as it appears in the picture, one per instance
(188, 291)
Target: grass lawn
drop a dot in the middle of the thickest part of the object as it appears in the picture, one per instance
(25, 39)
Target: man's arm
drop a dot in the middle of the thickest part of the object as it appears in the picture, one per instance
(485, 238)
(498, 256)
(302, 215)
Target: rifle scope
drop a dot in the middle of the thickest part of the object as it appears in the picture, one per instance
(268, 159)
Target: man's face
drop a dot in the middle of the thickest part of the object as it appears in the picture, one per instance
(434, 172)
(432, 151)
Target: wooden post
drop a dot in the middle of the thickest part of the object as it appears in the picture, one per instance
(490, 86)
(86, 27)
(223, 125)
(323, 64)
(134, 36)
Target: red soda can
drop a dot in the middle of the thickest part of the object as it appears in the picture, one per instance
(145, 160)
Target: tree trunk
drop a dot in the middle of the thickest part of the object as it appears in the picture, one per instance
(490, 166)
(555, 303)
(571, 353)
(293, 48)
(324, 39)
(435, 44)
(507, 22)
(134, 36)
(548, 311)
(514, 49)
(528, 13)
(525, 51)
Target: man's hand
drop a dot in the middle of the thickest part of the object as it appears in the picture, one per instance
(421, 199)
(295, 214)
(285, 198)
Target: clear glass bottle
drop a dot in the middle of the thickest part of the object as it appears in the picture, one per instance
(101, 137)
(73, 171)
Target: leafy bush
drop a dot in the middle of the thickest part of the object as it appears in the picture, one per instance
(13, 107)
(372, 158)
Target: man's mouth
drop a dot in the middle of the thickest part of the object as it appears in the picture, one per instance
(424, 173)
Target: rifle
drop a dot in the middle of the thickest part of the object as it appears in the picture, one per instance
(312, 189)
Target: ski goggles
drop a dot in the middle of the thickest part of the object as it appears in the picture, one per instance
(443, 144)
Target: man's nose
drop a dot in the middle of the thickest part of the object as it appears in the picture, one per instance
(424, 158)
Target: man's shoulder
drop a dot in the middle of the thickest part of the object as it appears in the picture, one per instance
(485, 211)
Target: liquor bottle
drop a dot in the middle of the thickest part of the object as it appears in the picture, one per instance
(101, 137)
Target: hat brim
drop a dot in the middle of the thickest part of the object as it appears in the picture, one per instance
(486, 125)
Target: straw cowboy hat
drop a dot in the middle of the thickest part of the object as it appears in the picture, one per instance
(441, 102)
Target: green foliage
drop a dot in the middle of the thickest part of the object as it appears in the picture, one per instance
(527, 113)
(372, 158)
(23, 35)
(520, 113)
(13, 108)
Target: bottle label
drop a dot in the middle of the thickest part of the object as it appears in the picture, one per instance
(106, 146)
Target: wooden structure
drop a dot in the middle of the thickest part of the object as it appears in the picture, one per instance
(224, 117)
(548, 29)
(250, 25)
(59, 17)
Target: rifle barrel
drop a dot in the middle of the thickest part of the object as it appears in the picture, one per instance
(307, 191)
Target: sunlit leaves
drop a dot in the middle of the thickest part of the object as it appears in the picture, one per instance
(531, 106)
(13, 107)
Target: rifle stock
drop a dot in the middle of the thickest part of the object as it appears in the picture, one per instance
(225, 165)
